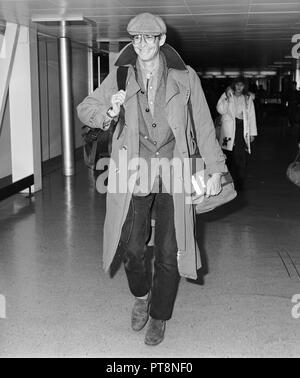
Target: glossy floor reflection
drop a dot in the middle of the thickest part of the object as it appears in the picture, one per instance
(60, 303)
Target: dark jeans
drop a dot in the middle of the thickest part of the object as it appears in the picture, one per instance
(237, 158)
(163, 284)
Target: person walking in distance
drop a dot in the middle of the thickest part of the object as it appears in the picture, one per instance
(238, 128)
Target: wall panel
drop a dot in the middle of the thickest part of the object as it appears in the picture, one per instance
(5, 149)
(50, 96)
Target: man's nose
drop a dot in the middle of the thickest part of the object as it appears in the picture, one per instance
(143, 42)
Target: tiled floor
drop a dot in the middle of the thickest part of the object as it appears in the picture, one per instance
(60, 303)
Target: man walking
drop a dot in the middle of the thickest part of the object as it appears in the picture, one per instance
(159, 94)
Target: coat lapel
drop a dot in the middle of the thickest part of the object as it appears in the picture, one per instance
(132, 87)
(172, 90)
(177, 86)
(177, 83)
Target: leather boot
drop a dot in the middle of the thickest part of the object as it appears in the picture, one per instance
(155, 332)
(140, 313)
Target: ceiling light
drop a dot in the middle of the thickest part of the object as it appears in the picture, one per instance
(268, 73)
(214, 73)
(232, 73)
(250, 73)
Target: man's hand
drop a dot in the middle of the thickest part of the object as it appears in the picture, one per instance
(213, 185)
(116, 101)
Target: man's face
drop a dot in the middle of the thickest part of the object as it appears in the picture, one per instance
(239, 87)
(148, 51)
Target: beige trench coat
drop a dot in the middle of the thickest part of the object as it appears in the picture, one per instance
(182, 84)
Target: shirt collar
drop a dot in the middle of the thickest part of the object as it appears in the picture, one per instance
(173, 59)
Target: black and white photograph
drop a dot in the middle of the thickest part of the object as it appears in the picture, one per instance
(149, 182)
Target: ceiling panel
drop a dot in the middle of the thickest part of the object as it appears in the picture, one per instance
(277, 18)
(104, 13)
(222, 20)
(282, 7)
(161, 10)
(27, 4)
(72, 4)
(271, 2)
(205, 32)
(151, 3)
(220, 3)
(132, 11)
(216, 9)
(274, 26)
(178, 21)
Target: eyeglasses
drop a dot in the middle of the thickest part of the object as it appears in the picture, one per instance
(148, 38)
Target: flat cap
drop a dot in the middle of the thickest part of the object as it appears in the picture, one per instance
(146, 23)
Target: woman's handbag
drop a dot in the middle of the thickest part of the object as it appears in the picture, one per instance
(202, 203)
(293, 171)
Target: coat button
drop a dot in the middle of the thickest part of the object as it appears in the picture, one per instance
(142, 92)
(153, 124)
(155, 143)
(147, 110)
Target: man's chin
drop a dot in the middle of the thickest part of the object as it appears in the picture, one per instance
(145, 57)
(144, 53)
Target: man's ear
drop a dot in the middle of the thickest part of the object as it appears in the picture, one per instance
(162, 40)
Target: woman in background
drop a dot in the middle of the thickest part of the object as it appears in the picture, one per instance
(238, 128)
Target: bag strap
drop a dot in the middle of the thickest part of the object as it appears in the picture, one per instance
(193, 130)
(122, 72)
(122, 77)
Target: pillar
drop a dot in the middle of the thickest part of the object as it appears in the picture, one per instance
(67, 125)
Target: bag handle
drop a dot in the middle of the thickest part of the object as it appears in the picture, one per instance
(121, 81)
(193, 130)
(121, 77)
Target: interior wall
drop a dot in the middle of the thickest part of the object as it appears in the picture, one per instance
(5, 160)
(79, 85)
(5, 149)
(49, 99)
(50, 96)
(49, 103)
(1, 39)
